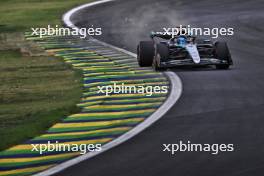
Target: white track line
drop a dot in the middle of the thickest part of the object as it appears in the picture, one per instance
(175, 93)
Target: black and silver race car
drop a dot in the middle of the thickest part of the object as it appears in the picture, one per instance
(164, 51)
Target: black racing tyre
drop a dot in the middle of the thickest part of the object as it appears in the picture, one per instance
(222, 53)
(162, 53)
(145, 53)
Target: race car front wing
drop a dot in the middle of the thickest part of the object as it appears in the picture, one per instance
(203, 61)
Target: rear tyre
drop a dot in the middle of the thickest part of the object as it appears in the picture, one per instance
(145, 53)
(222, 53)
(162, 53)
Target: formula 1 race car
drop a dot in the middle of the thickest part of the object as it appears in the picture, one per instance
(165, 51)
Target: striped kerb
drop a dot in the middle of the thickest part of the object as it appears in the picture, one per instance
(102, 118)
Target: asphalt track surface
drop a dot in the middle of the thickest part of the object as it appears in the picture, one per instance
(217, 106)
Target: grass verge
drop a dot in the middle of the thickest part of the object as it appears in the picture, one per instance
(35, 92)
(22, 15)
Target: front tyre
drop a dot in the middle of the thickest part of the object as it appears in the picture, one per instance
(222, 53)
(145, 53)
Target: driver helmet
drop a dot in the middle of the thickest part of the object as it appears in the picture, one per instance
(181, 40)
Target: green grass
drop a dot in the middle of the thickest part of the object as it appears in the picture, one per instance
(35, 92)
(22, 15)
